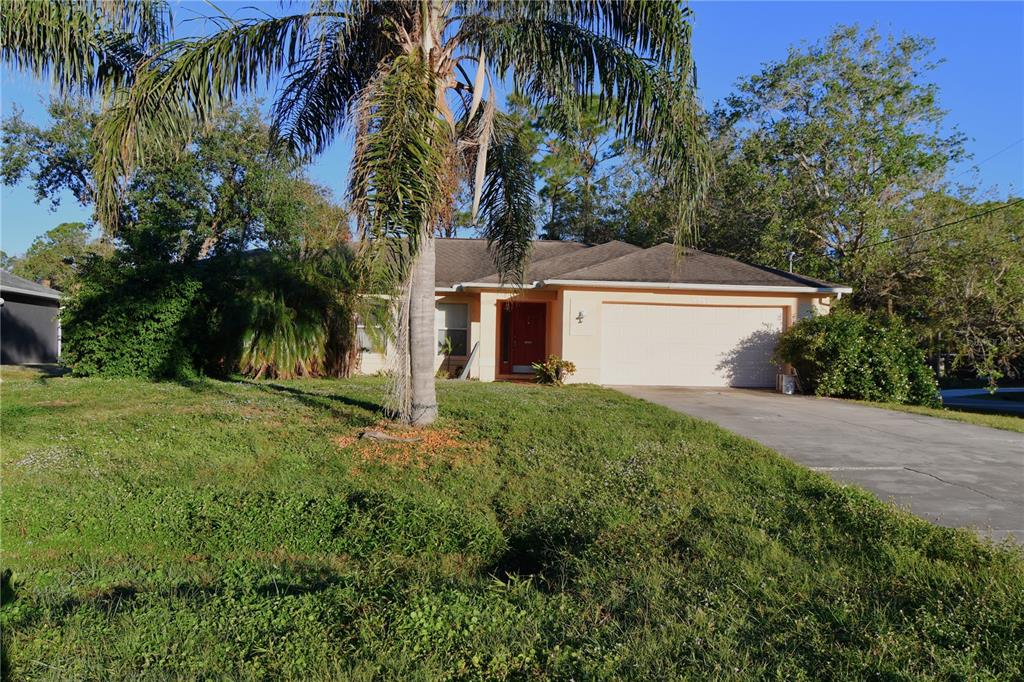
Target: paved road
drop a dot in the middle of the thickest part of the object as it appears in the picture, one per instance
(948, 472)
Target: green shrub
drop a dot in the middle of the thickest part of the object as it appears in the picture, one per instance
(261, 314)
(847, 354)
(281, 317)
(129, 322)
(553, 371)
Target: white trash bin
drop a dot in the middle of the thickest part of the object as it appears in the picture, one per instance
(785, 383)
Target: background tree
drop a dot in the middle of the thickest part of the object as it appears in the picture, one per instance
(594, 185)
(55, 158)
(231, 190)
(423, 124)
(235, 189)
(837, 154)
(825, 152)
(55, 256)
(576, 161)
(640, 202)
(178, 290)
(957, 277)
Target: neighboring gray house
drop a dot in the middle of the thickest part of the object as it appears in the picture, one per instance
(29, 321)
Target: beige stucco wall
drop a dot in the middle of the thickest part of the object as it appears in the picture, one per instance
(577, 337)
(372, 363)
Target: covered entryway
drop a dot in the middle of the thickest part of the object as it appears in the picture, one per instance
(523, 336)
(689, 345)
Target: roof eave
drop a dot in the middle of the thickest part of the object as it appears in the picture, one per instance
(463, 286)
(54, 296)
(682, 286)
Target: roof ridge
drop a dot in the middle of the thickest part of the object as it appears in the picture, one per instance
(640, 250)
(17, 283)
(659, 264)
(557, 258)
(588, 247)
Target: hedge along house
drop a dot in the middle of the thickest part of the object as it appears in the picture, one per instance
(29, 321)
(621, 313)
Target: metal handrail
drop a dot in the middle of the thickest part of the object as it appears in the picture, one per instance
(464, 374)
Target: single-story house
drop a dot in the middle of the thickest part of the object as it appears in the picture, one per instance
(29, 321)
(623, 314)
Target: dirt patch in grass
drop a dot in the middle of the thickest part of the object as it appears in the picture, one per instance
(425, 447)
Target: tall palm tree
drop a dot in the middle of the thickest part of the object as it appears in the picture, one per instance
(394, 75)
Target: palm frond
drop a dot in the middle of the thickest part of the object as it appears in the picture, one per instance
(290, 314)
(398, 168)
(90, 46)
(554, 62)
(639, 67)
(281, 341)
(148, 21)
(507, 204)
(181, 88)
(322, 88)
(654, 28)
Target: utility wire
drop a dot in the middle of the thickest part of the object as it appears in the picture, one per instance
(990, 157)
(944, 225)
(1015, 240)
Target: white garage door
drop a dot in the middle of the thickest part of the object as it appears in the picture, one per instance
(667, 345)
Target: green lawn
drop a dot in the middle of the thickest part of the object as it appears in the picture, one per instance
(240, 531)
(995, 421)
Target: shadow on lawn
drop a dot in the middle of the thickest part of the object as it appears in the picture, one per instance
(325, 401)
(319, 399)
(126, 596)
(541, 553)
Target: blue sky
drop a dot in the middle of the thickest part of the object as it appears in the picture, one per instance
(981, 83)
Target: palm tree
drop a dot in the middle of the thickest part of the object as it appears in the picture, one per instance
(393, 75)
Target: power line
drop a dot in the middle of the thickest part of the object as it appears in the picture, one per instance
(990, 157)
(944, 225)
(1013, 240)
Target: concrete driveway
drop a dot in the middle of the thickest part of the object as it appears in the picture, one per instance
(952, 473)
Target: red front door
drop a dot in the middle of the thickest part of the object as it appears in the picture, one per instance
(524, 328)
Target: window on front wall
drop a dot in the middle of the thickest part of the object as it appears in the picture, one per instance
(370, 340)
(453, 323)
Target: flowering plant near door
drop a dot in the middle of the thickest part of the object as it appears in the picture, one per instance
(553, 371)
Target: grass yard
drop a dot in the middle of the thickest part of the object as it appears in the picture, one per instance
(241, 531)
(995, 421)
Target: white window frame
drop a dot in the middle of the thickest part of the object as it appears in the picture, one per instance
(439, 329)
(361, 332)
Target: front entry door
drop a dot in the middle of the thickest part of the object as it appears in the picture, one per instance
(525, 328)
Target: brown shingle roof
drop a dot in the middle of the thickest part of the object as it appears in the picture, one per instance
(660, 264)
(461, 261)
(467, 260)
(553, 266)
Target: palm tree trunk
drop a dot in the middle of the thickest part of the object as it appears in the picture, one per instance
(422, 336)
